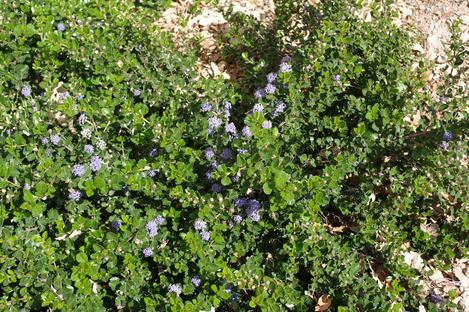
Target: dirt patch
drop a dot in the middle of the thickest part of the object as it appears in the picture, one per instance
(209, 23)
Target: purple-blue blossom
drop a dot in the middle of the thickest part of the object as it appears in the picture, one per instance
(26, 187)
(159, 220)
(447, 136)
(241, 202)
(95, 163)
(228, 288)
(60, 27)
(137, 92)
(206, 107)
(26, 91)
(227, 105)
(247, 132)
(80, 97)
(74, 195)
(78, 170)
(85, 133)
(336, 77)
(200, 225)
(196, 281)
(151, 173)
(242, 151)
(82, 119)
(148, 252)
(284, 67)
(101, 144)
(237, 219)
(55, 139)
(175, 288)
(267, 124)
(271, 77)
(226, 154)
(209, 153)
(270, 88)
(116, 224)
(285, 59)
(215, 165)
(230, 128)
(257, 108)
(205, 235)
(44, 141)
(208, 174)
(279, 109)
(152, 228)
(89, 149)
(216, 188)
(444, 145)
(259, 93)
(153, 152)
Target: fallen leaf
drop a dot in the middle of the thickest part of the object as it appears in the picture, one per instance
(323, 303)
(430, 229)
(414, 260)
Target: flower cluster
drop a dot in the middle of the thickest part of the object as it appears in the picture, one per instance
(251, 206)
(152, 226)
(201, 226)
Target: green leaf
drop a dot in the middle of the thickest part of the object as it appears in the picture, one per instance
(82, 258)
(267, 188)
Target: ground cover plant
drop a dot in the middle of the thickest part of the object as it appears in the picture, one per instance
(128, 182)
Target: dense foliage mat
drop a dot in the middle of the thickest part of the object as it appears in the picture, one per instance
(129, 182)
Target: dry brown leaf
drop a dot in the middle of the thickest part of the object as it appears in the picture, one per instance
(414, 260)
(323, 303)
(430, 229)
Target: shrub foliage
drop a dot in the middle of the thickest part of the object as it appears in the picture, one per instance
(129, 182)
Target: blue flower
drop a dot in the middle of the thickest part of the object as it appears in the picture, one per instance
(285, 67)
(237, 218)
(200, 225)
(279, 109)
(206, 107)
(259, 93)
(60, 27)
(271, 77)
(216, 188)
(209, 153)
(226, 154)
(80, 97)
(116, 224)
(336, 77)
(205, 235)
(270, 88)
(447, 136)
(230, 128)
(55, 139)
(151, 173)
(95, 163)
(214, 165)
(137, 92)
(175, 288)
(241, 202)
(228, 288)
(44, 141)
(26, 187)
(82, 119)
(196, 281)
(101, 144)
(257, 108)
(152, 228)
(89, 149)
(444, 145)
(86, 133)
(285, 59)
(153, 152)
(208, 174)
(227, 105)
(159, 220)
(148, 252)
(247, 132)
(74, 195)
(242, 151)
(78, 170)
(214, 122)
(267, 124)
(26, 91)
